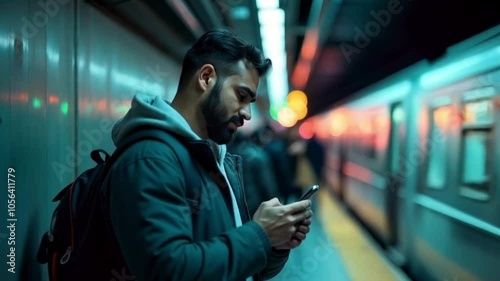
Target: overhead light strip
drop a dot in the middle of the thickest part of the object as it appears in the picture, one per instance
(272, 30)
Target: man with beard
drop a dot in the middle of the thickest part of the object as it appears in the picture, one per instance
(177, 208)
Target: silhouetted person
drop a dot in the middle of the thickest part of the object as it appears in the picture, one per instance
(258, 175)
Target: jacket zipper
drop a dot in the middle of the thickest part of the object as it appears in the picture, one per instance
(239, 175)
(256, 276)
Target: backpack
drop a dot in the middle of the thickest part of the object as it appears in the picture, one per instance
(79, 244)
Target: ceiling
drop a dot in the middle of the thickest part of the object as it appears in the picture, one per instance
(326, 55)
(406, 32)
(173, 25)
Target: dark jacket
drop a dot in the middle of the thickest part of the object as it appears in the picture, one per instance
(283, 169)
(285, 165)
(171, 208)
(258, 174)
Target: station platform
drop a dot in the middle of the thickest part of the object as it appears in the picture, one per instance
(337, 249)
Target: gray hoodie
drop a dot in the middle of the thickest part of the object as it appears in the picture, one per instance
(153, 111)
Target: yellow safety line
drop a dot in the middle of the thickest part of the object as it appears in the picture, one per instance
(360, 258)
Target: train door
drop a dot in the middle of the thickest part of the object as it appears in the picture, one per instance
(395, 181)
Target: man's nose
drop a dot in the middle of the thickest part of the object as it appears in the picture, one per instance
(246, 112)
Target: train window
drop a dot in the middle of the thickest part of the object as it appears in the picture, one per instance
(367, 139)
(479, 112)
(375, 137)
(371, 138)
(436, 169)
(476, 163)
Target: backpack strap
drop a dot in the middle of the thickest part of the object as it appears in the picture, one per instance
(173, 141)
(147, 134)
(143, 134)
(96, 156)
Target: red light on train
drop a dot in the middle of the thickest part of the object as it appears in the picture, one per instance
(365, 126)
(53, 99)
(339, 122)
(382, 122)
(442, 117)
(449, 117)
(102, 105)
(358, 172)
(496, 102)
(21, 97)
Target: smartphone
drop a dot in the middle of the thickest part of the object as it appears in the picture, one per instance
(313, 189)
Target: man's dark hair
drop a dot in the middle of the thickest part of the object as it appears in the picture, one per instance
(223, 49)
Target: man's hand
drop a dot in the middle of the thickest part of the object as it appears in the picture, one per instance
(283, 223)
(297, 238)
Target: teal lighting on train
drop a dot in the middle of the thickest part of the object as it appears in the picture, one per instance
(97, 70)
(5, 42)
(52, 55)
(461, 69)
(401, 88)
(389, 93)
(137, 85)
(89, 108)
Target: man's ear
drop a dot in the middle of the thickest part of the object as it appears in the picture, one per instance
(206, 77)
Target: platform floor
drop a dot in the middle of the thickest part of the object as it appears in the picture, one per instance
(337, 249)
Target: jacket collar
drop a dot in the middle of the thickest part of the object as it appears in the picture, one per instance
(205, 153)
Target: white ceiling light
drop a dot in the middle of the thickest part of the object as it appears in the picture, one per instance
(268, 4)
(271, 17)
(272, 31)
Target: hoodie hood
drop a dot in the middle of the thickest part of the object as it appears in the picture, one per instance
(151, 111)
(154, 111)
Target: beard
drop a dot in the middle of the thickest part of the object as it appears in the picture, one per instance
(216, 116)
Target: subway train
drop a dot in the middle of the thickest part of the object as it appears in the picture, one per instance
(415, 158)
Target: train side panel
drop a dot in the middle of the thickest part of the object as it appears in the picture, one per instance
(457, 205)
(69, 74)
(434, 204)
